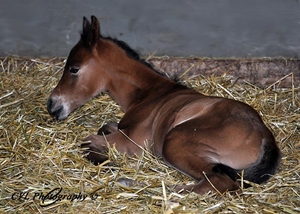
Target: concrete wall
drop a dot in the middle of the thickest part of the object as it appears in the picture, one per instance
(205, 28)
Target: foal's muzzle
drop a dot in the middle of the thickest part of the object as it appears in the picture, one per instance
(55, 110)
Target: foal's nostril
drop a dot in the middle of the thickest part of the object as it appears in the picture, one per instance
(49, 106)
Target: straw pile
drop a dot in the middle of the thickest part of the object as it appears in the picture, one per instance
(42, 169)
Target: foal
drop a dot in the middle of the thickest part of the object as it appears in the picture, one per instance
(210, 139)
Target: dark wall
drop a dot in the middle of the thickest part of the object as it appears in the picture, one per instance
(206, 28)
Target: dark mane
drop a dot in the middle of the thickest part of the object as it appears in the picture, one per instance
(132, 53)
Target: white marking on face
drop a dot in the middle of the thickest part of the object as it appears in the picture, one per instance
(60, 100)
(66, 108)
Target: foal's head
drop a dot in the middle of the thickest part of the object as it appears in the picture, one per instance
(86, 71)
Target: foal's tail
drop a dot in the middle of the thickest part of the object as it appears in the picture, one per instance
(261, 170)
(266, 165)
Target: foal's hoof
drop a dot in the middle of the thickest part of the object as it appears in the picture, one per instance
(94, 154)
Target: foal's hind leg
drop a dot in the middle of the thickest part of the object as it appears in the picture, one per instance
(215, 182)
(195, 160)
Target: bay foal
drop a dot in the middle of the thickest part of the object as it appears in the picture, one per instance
(210, 139)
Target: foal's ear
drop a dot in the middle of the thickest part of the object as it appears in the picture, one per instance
(90, 31)
(86, 28)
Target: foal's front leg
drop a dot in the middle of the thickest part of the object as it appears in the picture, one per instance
(108, 128)
(97, 146)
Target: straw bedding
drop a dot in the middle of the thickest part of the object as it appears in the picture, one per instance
(42, 169)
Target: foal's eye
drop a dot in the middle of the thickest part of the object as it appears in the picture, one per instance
(74, 70)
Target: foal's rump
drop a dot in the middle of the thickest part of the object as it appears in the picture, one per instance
(223, 136)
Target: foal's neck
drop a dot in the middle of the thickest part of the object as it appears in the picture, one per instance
(134, 81)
